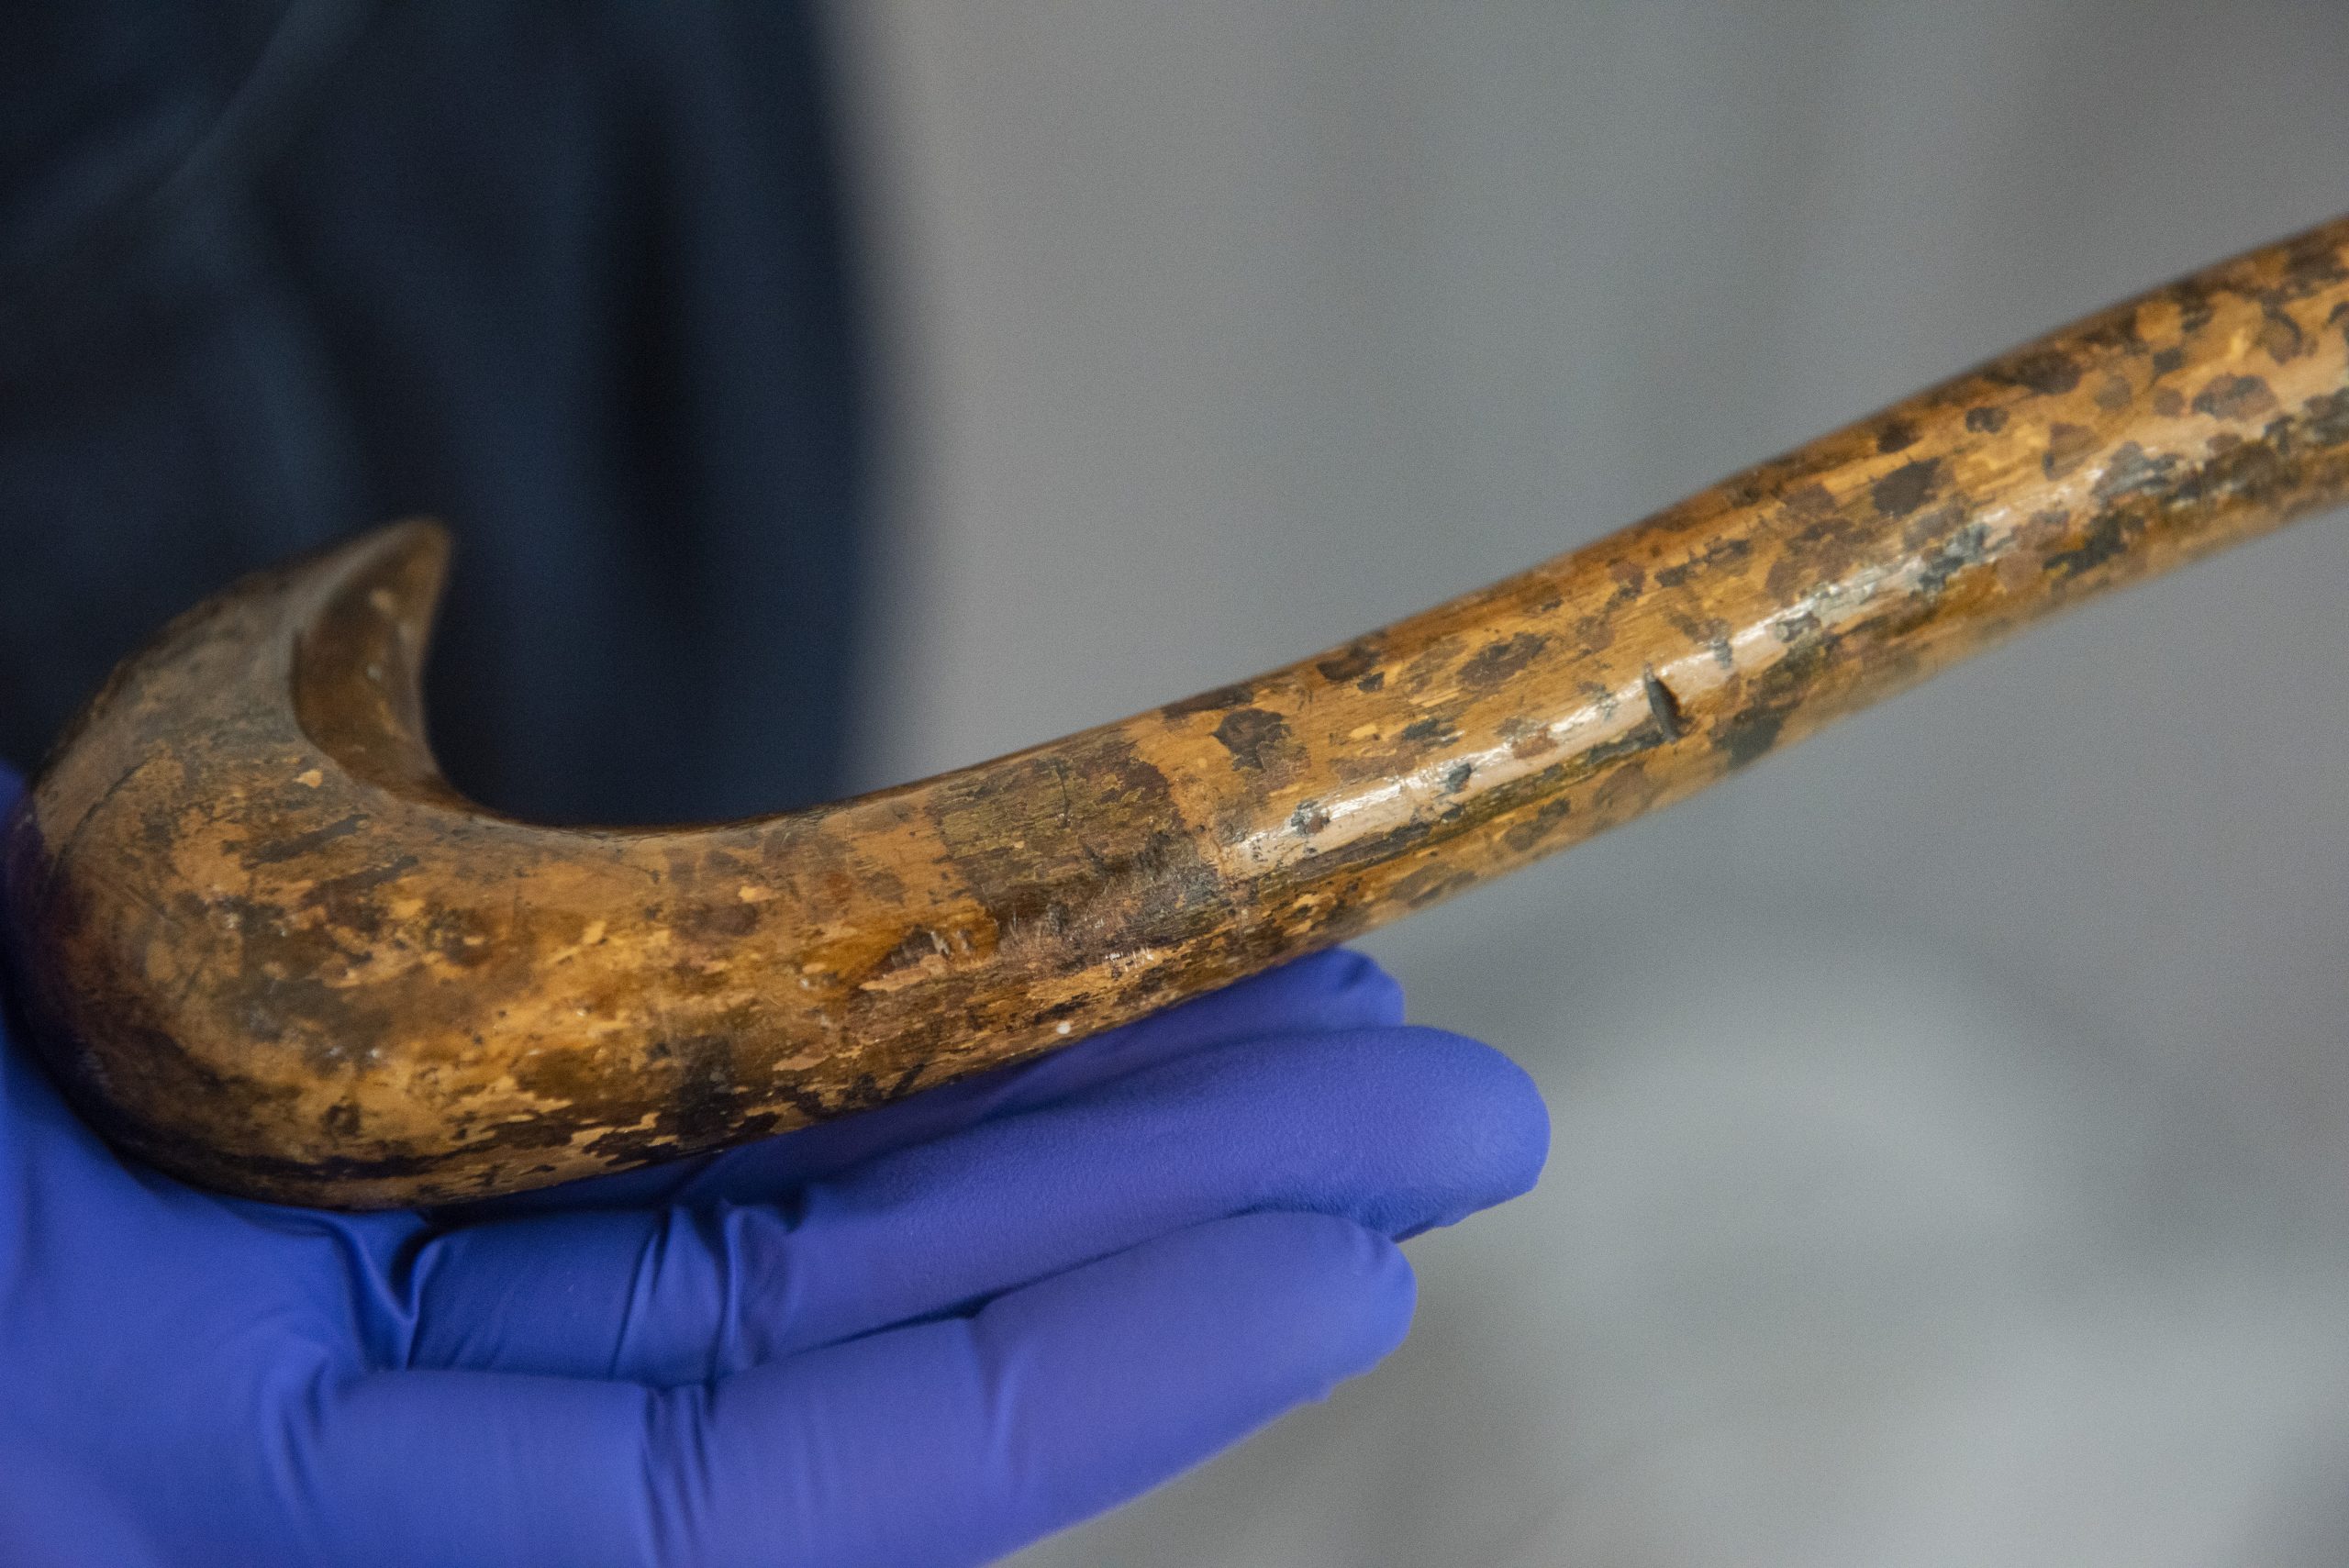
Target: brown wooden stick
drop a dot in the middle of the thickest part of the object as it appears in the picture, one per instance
(269, 950)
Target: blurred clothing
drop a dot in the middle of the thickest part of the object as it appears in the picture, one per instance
(571, 277)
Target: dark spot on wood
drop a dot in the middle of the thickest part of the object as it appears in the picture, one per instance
(2312, 263)
(2281, 337)
(1496, 662)
(1375, 681)
(1527, 738)
(1623, 793)
(1253, 736)
(865, 1093)
(1647, 738)
(458, 935)
(2107, 536)
(2168, 361)
(1987, 419)
(1905, 488)
(1924, 527)
(1525, 748)
(715, 921)
(2132, 471)
(2252, 471)
(2195, 306)
(1811, 501)
(1432, 883)
(2236, 397)
(1716, 555)
(1526, 837)
(352, 902)
(2048, 372)
(2068, 446)
(1721, 552)
(1820, 548)
(1895, 435)
(1456, 777)
(703, 1104)
(1432, 730)
(914, 950)
(1775, 695)
(1309, 818)
(299, 844)
(2169, 403)
(2326, 418)
(1963, 548)
(1351, 662)
(1090, 827)
(2113, 393)
(267, 1170)
(1236, 695)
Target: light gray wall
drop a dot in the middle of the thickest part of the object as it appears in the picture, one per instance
(1952, 1115)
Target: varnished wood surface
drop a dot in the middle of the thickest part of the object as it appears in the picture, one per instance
(267, 948)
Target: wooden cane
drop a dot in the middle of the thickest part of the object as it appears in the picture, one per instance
(268, 949)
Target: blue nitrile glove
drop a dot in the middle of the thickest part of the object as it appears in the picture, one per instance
(926, 1335)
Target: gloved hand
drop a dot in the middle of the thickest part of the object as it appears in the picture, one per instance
(926, 1335)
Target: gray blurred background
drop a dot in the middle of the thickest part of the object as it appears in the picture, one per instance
(1952, 1116)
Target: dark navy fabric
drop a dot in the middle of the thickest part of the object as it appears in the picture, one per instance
(572, 276)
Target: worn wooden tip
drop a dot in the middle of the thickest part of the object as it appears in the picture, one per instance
(267, 947)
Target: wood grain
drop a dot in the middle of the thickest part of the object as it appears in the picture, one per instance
(267, 948)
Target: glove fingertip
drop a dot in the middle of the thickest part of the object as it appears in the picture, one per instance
(1343, 1294)
(1475, 1131)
